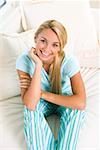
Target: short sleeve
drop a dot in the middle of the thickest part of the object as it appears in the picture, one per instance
(24, 63)
(71, 66)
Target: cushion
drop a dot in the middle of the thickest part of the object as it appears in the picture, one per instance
(88, 58)
(96, 17)
(6, 10)
(10, 47)
(12, 21)
(75, 16)
(89, 135)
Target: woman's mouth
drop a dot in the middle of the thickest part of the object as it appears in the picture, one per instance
(44, 54)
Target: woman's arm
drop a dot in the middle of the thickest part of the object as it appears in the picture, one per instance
(75, 101)
(31, 87)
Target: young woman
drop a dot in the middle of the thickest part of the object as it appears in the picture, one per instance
(51, 83)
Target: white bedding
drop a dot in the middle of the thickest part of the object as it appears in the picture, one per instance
(11, 118)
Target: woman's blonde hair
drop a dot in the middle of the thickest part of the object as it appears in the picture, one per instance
(54, 71)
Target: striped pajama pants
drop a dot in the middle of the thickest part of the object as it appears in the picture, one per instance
(38, 134)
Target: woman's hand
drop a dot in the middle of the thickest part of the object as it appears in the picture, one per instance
(33, 55)
(25, 81)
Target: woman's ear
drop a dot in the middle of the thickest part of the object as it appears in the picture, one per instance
(35, 39)
(59, 53)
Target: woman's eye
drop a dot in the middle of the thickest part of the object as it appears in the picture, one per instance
(55, 45)
(43, 41)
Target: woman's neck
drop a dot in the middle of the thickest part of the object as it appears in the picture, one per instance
(46, 67)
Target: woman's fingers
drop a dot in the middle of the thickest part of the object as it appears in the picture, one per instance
(24, 76)
(33, 55)
(24, 87)
(25, 83)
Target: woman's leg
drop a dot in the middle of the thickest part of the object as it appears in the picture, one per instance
(37, 131)
(70, 123)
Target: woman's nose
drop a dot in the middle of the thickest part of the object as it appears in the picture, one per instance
(48, 47)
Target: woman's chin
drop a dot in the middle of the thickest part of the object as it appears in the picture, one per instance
(46, 59)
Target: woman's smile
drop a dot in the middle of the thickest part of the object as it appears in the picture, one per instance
(44, 54)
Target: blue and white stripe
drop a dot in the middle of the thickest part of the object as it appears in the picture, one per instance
(38, 133)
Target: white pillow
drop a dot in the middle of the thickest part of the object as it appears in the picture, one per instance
(75, 16)
(89, 134)
(96, 17)
(89, 58)
(10, 21)
(10, 47)
(6, 10)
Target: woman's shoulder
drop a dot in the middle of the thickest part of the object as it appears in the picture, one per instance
(24, 63)
(23, 54)
(24, 57)
(69, 58)
(70, 65)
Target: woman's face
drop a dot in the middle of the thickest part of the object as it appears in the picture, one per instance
(47, 46)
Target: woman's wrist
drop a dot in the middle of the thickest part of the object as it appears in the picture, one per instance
(42, 94)
(45, 94)
(39, 65)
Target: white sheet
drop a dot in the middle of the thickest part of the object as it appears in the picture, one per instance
(11, 118)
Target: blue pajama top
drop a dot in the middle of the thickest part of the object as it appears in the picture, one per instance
(69, 68)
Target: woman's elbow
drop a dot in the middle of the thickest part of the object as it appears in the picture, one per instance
(82, 104)
(30, 105)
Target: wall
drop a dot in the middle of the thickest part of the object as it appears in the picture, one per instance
(95, 3)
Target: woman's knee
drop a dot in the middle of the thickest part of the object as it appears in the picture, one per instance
(70, 113)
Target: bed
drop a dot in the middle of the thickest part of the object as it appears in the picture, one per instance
(18, 36)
